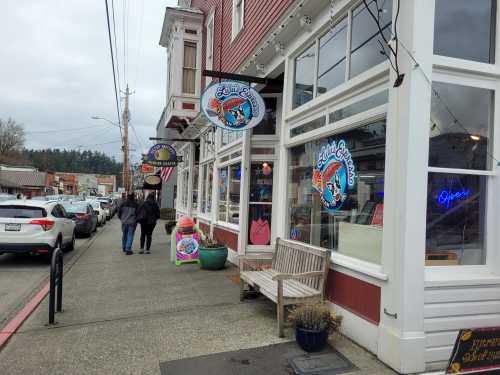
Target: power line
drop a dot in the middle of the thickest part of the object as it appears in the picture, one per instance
(116, 44)
(112, 62)
(62, 130)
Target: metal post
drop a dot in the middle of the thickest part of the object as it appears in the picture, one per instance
(55, 286)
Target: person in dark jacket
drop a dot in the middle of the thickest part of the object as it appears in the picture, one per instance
(149, 213)
(128, 216)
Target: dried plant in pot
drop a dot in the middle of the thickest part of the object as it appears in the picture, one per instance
(313, 324)
(213, 254)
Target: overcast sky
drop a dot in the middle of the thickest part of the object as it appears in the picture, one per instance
(55, 70)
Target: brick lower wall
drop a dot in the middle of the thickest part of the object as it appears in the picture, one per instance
(355, 295)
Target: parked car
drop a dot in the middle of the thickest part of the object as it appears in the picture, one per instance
(6, 197)
(83, 215)
(101, 213)
(106, 206)
(28, 226)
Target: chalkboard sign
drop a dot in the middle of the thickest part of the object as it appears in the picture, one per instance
(476, 350)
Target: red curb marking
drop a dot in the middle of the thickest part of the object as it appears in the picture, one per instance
(15, 323)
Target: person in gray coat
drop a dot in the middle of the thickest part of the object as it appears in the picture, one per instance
(128, 216)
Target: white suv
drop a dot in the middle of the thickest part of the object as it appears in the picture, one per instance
(28, 226)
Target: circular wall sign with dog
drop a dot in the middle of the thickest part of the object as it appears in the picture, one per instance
(233, 105)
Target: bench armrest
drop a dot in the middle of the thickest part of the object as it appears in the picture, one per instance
(295, 276)
(254, 262)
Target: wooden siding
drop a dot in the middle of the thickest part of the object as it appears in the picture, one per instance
(449, 309)
(354, 295)
(260, 16)
(228, 238)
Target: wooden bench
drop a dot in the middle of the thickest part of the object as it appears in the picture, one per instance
(294, 274)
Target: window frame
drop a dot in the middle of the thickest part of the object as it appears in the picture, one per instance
(238, 20)
(190, 68)
(493, 188)
(315, 41)
(227, 166)
(209, 58)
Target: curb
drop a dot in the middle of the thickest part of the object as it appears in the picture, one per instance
(14, 324)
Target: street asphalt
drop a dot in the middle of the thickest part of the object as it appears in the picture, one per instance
(127, 314)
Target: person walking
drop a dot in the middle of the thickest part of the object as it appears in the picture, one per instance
(148, 215)
(127, 213)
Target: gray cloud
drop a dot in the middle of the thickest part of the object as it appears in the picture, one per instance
(55, 70)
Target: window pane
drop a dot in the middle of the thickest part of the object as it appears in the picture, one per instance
(308, 126)
(304, 76)
(261, 182)
(203, 188)
(333, 212)
(361, 106)
(365, 46)
(234, 193)
(268, 124)
(229, 136)
(451, 146)
(196, 170)
(209, 187)
(223, 184)
(259, 231)
(456, 211)
(332, 59)
(465, 29)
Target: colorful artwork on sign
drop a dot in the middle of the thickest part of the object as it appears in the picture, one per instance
(161, 155)
(233, 105)
(333, 175)
(447, 196)
(187, 248)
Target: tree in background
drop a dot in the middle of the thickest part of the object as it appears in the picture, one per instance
(11, 136)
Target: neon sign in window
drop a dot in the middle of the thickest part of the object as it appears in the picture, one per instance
(447, 196)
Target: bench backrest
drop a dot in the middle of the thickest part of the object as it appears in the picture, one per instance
(296, 257)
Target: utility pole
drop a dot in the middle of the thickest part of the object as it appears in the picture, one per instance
(126, 113)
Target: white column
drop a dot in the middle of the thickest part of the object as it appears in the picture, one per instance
(402, 338)
(244, 192)
(191, 152)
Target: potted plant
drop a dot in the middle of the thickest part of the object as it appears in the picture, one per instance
(213, 255)
(313, 323)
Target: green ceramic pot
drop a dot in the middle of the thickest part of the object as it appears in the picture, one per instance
(213, 258)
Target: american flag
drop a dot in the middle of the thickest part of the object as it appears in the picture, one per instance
(165, 173)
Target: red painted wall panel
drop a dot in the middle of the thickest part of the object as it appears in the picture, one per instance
(357, 296)
(260, 16)
(226, 237)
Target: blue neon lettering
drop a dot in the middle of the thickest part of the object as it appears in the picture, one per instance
(445, 197)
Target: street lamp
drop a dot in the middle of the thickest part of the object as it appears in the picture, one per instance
(105, 119)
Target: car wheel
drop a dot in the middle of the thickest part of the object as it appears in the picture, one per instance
(71, 245)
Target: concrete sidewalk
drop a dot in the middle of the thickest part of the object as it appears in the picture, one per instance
(126, 314)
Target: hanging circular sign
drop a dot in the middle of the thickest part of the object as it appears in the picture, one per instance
(152, 180)
(333, 175)
(161, 155)
(233, 105)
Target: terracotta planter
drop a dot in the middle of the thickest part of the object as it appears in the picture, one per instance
(213, 258)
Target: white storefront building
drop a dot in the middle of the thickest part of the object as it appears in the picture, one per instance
(416, 243)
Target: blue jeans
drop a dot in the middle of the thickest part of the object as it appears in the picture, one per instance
(128, 231)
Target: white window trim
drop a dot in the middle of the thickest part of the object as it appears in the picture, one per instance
(195, 69)
(234, 31)
(437, 275)
(227, 166)
(209, 58)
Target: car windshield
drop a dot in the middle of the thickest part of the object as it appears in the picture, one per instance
(95, 205)
(76, 208)
(22, 212)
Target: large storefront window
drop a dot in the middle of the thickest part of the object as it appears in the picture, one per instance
(260, 205)
(364, 48)
(268, 124)
(465, 29)
(207, 171)
(456, 211)
(229, 193)
(336, 192)
(460, 145)
(461, 126)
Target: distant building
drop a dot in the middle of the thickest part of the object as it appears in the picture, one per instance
(26, 181)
